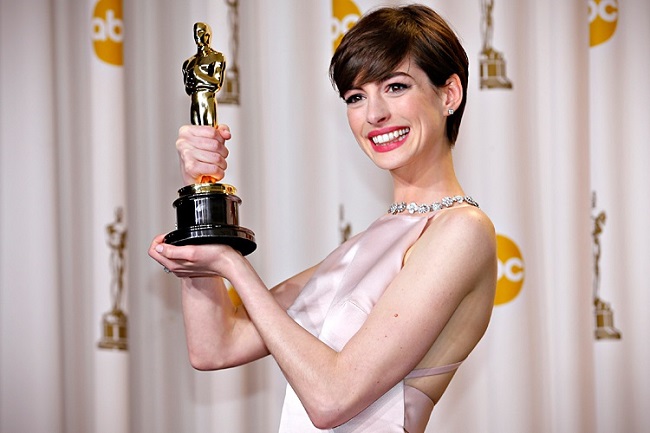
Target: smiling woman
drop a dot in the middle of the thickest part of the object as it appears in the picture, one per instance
(369, 338)
(404, 108)
(373, 52)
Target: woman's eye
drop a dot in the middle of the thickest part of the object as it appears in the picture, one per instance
(396, 87)
(353, 98)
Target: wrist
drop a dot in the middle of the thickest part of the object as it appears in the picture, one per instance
(200, 284)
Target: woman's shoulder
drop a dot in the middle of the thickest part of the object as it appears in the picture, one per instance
(464, 230)
(469, 221)
(462, 218)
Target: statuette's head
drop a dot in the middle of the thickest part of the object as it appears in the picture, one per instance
(202, 34)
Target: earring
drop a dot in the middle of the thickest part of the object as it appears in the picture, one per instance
(450, 111)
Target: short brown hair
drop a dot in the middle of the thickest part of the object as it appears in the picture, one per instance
(381, 40)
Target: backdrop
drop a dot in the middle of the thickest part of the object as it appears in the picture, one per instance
(552, 146)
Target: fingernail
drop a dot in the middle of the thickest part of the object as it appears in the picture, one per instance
(159, 248)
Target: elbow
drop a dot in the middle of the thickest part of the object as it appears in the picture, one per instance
(323, 420)
(326, 414)
(325, 424)
(210, 358)
(202, 365)
(202, 361)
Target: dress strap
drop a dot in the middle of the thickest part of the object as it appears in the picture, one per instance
(433, 371)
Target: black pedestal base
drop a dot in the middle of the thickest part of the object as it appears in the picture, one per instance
(207, 213)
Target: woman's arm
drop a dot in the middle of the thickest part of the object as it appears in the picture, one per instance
(220, 334)
(451, 270)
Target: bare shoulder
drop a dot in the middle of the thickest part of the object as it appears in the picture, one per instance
(458, 240)
(464, 228)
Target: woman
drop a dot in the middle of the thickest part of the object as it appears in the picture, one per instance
(370, 338)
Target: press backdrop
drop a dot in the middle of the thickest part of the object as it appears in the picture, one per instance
(553, 147)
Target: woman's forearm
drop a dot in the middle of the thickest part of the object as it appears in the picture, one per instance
(307, 363)
(219, 335)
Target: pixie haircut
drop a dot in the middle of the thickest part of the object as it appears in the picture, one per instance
(376, 45)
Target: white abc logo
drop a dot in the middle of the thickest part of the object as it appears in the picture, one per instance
(510, 272)
(340, 27)
(109, 29)
(607, 10)
(512, 269)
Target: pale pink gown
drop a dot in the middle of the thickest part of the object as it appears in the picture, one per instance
(335, 303)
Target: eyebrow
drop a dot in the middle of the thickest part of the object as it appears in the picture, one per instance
(396, 74)
(389, 76)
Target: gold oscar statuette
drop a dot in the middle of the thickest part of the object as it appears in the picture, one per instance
(605, 329)
(230, 92)
(207, 212)
(492, 63)
(115, 321)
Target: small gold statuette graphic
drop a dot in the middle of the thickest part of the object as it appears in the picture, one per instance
(207, 212)
(493, 65)
(605, 329)
(114, 322)
(230, 92)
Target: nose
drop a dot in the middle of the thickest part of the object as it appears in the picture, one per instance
(377, 110)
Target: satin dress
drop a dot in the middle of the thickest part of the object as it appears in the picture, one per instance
(335, 303)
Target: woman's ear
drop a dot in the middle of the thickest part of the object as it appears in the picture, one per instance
(452, 93)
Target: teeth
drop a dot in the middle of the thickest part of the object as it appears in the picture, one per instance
(394, 135)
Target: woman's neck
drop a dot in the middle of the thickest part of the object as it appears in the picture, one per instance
(428, 183)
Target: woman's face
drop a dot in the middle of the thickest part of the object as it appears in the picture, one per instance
(399, 122)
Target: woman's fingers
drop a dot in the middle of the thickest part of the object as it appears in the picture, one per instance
(202, 151)
(196, 163)
(205, 136)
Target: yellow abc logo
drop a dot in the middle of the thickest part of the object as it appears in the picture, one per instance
(510, 276)
(108, 31)
(345, 15)
(603, 18)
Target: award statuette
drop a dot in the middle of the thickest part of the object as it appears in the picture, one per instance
(605, 329)
(207, 212)
(493, 65)
(115, 321)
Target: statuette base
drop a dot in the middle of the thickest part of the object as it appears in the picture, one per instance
(208, 213)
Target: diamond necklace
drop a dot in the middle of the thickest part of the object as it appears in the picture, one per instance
(446, 202)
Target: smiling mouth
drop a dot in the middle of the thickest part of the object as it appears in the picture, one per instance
(389, 137)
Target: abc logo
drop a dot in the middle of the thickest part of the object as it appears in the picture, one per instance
(603, 17)
(510, 276)
(346, 14)
(108, 31)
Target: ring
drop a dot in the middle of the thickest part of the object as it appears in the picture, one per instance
(166, 270)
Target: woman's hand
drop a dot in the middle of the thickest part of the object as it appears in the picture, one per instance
(202, 152)
(195, 260)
